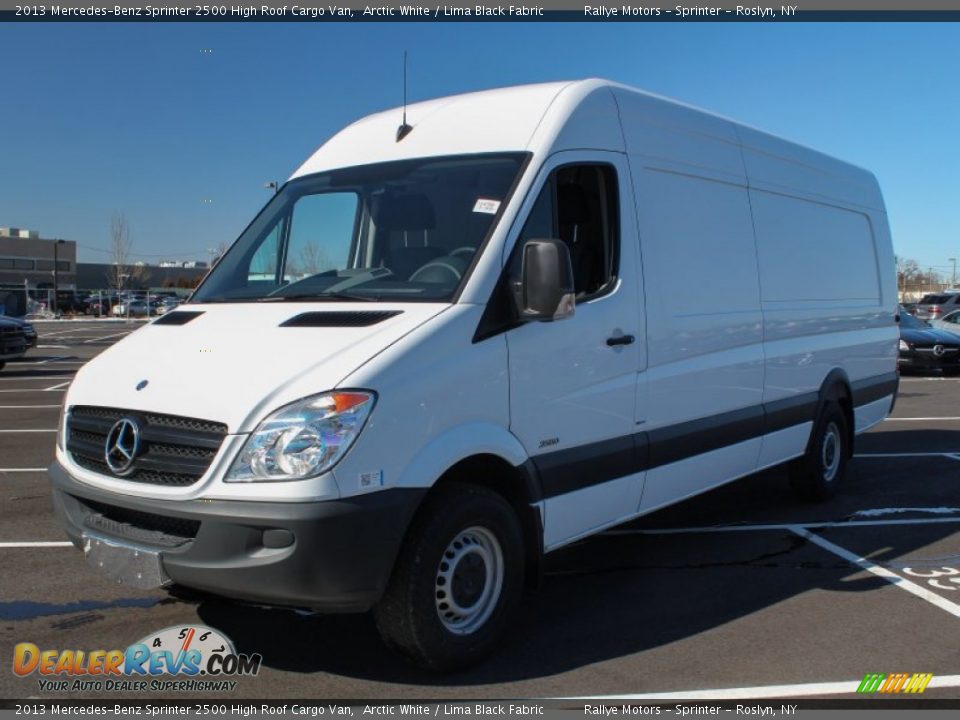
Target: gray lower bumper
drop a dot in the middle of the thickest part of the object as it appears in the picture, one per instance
(333, 556)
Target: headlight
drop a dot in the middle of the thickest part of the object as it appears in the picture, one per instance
(62, 425)
(303, 439)
(904, 345)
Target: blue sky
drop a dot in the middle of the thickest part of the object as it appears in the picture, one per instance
(140, 119)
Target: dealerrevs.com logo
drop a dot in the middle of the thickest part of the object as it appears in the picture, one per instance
(893, 683)
(197, 657)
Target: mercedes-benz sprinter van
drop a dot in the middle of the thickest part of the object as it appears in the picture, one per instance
(447, 348)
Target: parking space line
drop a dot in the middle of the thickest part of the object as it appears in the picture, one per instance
(22, 470)
(769, 527)
(41, 544)
(27, 407)
(842, 687)
(920, 419)
(107, 337)
(905, 455)
(57, 387)
(888, 575)
(34, 430)
(27, 378)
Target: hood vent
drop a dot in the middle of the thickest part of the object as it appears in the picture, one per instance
(345, 318)
(178, 317)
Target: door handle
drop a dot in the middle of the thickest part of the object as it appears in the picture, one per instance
(620, 340)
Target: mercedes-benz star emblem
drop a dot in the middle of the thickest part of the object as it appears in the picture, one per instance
(938, 350)
(122, 445)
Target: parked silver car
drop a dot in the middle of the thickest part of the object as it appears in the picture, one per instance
(934, 306)
(949, 322)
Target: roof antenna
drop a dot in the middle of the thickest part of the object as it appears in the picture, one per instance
(404, 129)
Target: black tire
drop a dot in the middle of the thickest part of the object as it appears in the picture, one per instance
(409, 614)
(2, 365)
(816, 476)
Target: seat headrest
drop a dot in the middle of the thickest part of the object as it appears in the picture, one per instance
(412, 211)
(572, 207)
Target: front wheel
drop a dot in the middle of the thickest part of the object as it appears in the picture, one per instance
(458, 580)
(817, 475)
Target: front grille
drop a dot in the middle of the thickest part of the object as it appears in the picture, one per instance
(137, 525)
(174, 451)
(930, 348)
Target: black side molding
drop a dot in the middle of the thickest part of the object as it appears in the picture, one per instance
(340, 318)
(576, 468)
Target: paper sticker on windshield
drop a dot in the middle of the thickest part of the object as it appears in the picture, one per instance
(486, 205)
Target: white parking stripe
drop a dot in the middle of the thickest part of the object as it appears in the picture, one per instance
(22, 470)
(888, 575)
(920, 419)
(768, 527)
(904, 455)
(24, 390)
(52, 347)
(27, 431)
(842, 687)
(40, 545)
(57, 387)
(27, 407)
(107, 337)
(27, 378)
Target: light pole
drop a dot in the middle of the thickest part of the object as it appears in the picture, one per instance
(953, 277)
(272, 185)
(56, 273)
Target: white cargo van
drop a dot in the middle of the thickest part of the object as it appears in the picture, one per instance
(441, 352)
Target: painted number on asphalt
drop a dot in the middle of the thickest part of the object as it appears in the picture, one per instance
(933, 577)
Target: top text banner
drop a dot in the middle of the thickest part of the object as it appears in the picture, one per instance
(433, 11)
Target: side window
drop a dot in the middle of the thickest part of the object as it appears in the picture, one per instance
(263, 264)
(578, 205)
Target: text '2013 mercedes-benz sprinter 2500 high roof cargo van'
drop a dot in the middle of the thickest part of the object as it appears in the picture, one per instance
(439, 353)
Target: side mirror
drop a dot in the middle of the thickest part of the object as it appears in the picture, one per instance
(544, 290)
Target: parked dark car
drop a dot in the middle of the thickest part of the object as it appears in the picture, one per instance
(13, 343)
(926, 348)
(29, 331)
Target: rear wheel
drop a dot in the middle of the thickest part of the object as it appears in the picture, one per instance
(817, 475)
(458, 580)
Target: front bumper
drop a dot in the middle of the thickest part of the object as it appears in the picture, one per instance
(331, 556)
(926, 361)
(12, 347)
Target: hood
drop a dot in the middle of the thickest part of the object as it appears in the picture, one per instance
(928, 336)
(234, 363)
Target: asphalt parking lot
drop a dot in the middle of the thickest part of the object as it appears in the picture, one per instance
(739, 589)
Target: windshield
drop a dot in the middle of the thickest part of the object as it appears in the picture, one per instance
(405, 230)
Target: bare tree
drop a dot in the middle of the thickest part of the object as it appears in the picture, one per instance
(120, 251)
(313, 259)
(218, 252)
(139, 275)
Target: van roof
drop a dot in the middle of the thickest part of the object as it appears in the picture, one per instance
(580, 114)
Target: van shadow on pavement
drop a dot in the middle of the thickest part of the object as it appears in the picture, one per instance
(617, 595)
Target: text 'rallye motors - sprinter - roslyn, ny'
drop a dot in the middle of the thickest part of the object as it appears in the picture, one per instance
(439, 353)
